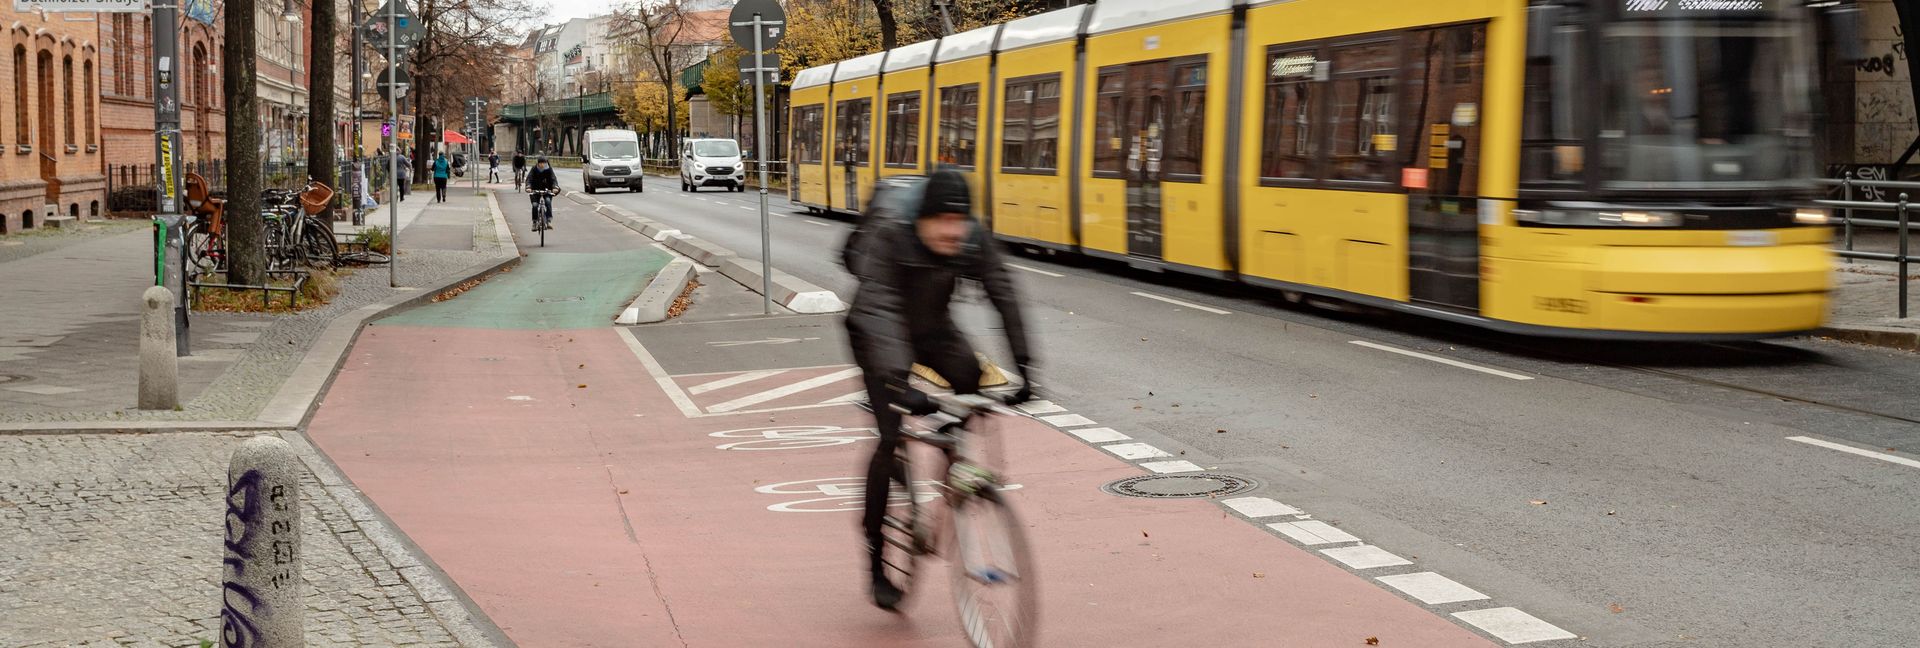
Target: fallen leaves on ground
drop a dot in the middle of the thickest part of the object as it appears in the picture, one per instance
(1373, 641)
(584, 386)
(1537, 502)
(1615, 608)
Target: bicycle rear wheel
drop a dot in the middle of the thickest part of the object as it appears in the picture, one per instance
(992, 572)
(318, 245)
(204, 253)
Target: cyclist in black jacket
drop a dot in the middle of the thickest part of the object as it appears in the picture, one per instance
(543, 185)
(909, 255)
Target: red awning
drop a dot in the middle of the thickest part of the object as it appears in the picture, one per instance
(454, 137)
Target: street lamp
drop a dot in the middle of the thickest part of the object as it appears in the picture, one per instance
(287, 12)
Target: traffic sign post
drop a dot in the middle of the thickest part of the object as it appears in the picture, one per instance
(759, 25)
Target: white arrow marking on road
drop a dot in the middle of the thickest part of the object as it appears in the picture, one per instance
(788, 390)
(724, 383)
(735, 343)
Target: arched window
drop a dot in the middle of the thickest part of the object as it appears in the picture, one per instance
(66, 71)
(145, 36)
(122, 51)
(93, 128)
(22, 132)
(198, 95)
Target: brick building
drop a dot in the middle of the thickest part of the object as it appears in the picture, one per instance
(49, 125)
(126, 93)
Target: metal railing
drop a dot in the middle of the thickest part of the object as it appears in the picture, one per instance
(1901, 209)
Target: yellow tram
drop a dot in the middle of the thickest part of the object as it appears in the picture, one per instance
(1587, 168)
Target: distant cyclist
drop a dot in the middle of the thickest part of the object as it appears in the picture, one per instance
(519, 170)
(909, 255)
(543, 186)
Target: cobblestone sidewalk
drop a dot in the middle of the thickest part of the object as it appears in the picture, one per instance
(115, 540)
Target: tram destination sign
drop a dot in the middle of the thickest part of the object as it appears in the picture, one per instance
(1698, 8)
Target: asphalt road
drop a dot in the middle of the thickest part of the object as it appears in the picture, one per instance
(1640, 495)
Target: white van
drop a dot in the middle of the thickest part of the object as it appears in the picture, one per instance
(612, 160)
(711, 162)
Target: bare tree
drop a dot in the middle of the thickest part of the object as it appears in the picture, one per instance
(246, 248)
(659, 30)
(320, 120)
(467, 45)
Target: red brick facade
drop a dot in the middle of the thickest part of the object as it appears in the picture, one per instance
(127, 91)
(49, 118)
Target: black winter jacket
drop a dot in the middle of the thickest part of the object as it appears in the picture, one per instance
(538, 180)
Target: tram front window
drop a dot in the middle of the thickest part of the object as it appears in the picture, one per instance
(1704, 104)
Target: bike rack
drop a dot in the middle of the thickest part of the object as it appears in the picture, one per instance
(266, 292)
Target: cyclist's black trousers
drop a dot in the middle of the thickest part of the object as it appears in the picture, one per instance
(953, 359)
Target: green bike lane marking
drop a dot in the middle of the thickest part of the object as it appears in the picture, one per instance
(547, 291)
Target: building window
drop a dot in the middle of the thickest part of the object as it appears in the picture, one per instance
(1289, 145)
(93, 131)
(22, 132)
(145, 35)
(853, 123)
(1108, 135)
(1030, 135)
(903, 129)
(66, 70)
(959, 124)
(1187, 136)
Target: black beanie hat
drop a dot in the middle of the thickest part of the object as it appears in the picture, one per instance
(947, 193)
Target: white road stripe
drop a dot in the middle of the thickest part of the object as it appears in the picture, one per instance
(788, 390)
(746, 208)
(1444, 361)
(1313, 532)
(1038, 407)
(856, 397)
(1037, 271)
(680, 398)
(1099, 435)
(1135, 451)
(1176, 466)
(1184, 304)
(1259, 507)
(724, 383)
(1856, 451)
(1432, 589)
(1067, 420)
(1513, 626)
(1365, 557)
(817, 223)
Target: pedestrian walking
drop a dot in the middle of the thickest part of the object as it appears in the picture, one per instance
(406, 174)
(493, 168)
(440, 172)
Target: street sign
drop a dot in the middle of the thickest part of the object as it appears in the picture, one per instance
(773, 24)
(764, 64)
(372, 114)
(386, 85)
(407, 29)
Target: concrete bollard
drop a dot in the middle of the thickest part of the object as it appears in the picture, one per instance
(260, 593)
(159, 359)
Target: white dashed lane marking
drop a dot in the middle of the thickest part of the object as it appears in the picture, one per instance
(1365, 557)
(1133, 451)
(1432, 589)
(1163, 467)
(1857, 451)
(724, 383)
(1183, 304)
(1099, 435)
(1067, 420)
(1039, 407)
(1313, 532)
(1037, 271)
(1513, 626)
(1445, 361)
(817, 223)
(1259, 507)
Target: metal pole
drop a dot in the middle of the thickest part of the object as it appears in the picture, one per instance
(1846, 215)
(355, 177)
(1903, 256)
(760, 155)
(166, 127)
(393, 164)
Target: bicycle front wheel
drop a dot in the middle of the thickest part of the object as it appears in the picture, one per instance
(992, 571)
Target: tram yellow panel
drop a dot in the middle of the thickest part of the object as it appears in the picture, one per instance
(845, 193)
(1541, 293)
(1191, 227)
(811, 179)
(912, 80)
(1030, 205)
(1103, 215)
(1710, 313)
(1713, 270)
(1350, 240)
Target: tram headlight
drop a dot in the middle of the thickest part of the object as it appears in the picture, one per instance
(1585, 218)
(1808, 216)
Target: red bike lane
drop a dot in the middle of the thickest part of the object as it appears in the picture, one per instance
(561, 479)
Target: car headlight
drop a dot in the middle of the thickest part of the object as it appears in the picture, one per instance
(1809, 216)
(1585, 218)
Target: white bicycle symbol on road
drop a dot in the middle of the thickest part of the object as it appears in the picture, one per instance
(794, 437)
(840, 494)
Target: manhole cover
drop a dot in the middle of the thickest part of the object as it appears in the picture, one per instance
(551, 300)
(1178, 486)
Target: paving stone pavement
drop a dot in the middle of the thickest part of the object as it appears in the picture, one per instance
(69, 348)
(1868, 294)
(116, 540)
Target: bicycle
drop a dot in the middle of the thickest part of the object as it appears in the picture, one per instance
(990, 555)
(519, 178)
(543, 215)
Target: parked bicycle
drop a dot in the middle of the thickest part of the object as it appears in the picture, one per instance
(990, 563)
(295, 230)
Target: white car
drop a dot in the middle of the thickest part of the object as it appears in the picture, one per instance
(612, 160)
(711, 162)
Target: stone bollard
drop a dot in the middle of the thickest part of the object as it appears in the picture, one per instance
(260, 594)
(159, 360)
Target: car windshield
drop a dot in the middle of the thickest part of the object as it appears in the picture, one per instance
(716, 148)
(1704, 103)
(616, 150)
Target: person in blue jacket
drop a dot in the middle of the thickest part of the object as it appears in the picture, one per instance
(440, 172)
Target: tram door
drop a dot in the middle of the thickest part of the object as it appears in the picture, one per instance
(1146, 122)
(854, 125)
(1442, 172)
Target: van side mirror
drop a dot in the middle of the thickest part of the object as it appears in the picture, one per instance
(1843, 27)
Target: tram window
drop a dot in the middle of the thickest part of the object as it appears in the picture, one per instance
(854, 121)
(1030, 140)
(1363, 132)
(1187, 144)
(806, 134)
(1444, 77)
(1552, 137)
(1016, 127)
(959, 123)
(1289, 141)
(1108, 143)
(903, 129)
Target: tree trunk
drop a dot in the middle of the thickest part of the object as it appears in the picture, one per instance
(889, 30)
(673, 125)
(320, 114)
(1909, 11)
(246, 251)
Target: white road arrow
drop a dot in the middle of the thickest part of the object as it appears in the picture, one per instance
(735, 343)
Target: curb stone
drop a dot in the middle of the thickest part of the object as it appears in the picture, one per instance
(798, 295)
(654, 302)
(1892, 338)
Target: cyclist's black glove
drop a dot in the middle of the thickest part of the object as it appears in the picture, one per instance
(917, 403)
